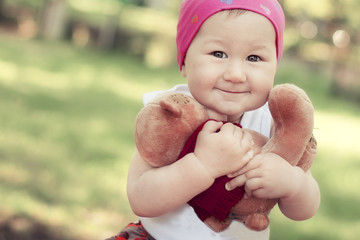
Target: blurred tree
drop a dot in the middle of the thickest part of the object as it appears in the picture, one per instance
(170, 6)
(156, 4)
(108, 28)
(327, 31)
(1, 8)
(133, 2)
(53, 19)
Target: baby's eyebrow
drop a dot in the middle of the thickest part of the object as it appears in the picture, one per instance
(261, 47)
(214, 40)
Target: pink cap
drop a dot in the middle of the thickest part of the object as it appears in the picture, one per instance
(193, 14)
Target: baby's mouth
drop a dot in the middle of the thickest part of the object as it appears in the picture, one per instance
(234, 91)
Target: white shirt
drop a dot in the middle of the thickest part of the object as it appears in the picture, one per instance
(183, 223)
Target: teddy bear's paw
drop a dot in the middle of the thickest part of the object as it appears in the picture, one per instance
(217, 225)
(313, 142)
(309, 155)
(257, 222)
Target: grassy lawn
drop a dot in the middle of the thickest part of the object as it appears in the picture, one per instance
(66, 121)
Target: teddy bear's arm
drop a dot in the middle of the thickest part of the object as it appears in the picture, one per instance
(155, 191)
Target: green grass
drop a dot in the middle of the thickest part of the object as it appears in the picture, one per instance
(66, 122)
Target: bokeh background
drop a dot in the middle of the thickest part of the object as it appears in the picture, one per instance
(72, 73)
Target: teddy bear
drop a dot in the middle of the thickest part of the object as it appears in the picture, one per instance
(167, 127)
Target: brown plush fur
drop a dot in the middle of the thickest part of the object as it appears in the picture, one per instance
(163, 126)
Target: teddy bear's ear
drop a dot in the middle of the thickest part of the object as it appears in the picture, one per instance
(171, 107)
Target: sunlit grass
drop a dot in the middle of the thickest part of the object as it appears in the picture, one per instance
(338, 133)
(337, 170)
(66, 122)
(66, 139)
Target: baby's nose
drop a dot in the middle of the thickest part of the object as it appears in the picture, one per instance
(235, 72)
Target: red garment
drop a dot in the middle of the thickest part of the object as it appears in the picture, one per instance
(133, 231)
(215, 201)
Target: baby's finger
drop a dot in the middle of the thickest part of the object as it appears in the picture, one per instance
(248, 156)
(259, 193)
(239, 172)
(236, 182)
(238, 132)
(248, 193)
(228, 128)
(251, 165)
(212, 127)
(243, 168)
(247, 139)
(244, 160)
(252, 187)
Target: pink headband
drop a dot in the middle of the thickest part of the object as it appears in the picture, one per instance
(193, 14)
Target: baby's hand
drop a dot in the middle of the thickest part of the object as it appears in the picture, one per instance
(221, 148)
(265, 176)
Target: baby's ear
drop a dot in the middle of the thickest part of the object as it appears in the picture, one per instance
(183, 71)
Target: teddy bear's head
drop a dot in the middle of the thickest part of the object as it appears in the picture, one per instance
(163, 126)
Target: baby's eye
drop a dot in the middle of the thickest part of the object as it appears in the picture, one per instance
(219, 54)
(253, 58)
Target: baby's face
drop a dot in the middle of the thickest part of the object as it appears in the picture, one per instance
(231, 63)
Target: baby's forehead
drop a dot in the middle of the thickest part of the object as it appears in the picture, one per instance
(247, 29)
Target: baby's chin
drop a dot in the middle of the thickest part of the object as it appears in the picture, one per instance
(226, 116)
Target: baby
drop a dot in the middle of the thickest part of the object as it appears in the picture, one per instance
(228, 51)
